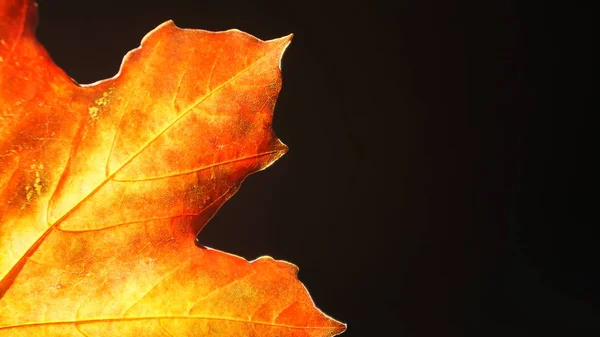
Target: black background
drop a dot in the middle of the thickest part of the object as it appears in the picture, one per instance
(439, 180)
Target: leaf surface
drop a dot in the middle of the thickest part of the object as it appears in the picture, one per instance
(105, 186)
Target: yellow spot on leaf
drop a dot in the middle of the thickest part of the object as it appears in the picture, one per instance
(36, 187)
(102, 100)
(93, 111)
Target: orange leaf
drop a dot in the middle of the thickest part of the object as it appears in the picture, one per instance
(99, 185)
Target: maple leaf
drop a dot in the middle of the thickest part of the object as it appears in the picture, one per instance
(103, 188)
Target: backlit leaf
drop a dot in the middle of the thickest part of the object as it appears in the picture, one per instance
(103, 188)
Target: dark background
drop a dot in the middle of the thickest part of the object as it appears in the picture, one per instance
(439, 180)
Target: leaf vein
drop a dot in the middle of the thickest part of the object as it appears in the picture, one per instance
(226, 162)
(174, 271)
(133, 319)
(220, 289)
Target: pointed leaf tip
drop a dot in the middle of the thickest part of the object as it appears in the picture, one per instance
(286, 40)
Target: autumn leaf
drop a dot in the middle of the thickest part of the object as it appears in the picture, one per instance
(103, 188)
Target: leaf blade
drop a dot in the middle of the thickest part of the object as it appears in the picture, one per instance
(100, 184)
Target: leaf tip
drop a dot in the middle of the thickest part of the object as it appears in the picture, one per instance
(339, 328)
(284, 42)
(292, 268)
(280, 148)
(289, 37)
(336, 327)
